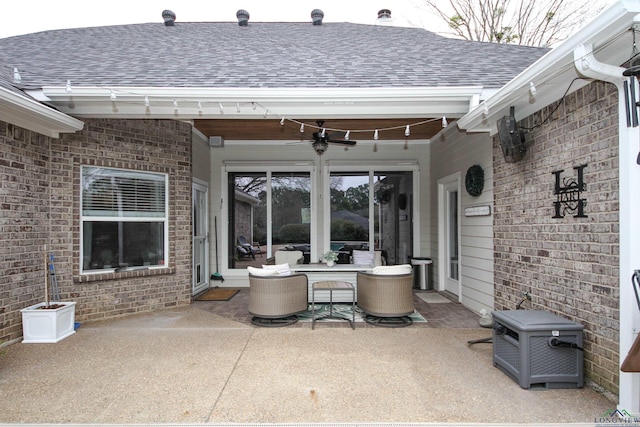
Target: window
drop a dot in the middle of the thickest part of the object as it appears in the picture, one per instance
(124, 219)
(371, 210)
(271, 210)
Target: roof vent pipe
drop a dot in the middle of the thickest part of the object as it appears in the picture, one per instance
(316, 16)
(169, 18)
(243, 17)
(384, 17)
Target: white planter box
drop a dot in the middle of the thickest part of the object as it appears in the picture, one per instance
(48, 325)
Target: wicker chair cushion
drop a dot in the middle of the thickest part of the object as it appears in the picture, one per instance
(392, 269)
(281, 269)
(261, 272)
(364, 257)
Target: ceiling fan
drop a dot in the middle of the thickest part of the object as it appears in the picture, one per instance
(321, 139)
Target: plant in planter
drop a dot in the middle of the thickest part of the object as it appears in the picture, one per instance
(330, 257)
(48, 321)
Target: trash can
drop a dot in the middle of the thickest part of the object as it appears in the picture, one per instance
(420, 272)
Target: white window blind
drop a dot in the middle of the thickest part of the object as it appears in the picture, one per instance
(118, 193)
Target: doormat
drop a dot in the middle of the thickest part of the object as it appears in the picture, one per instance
(432, 297)
(344, 310)
(217, 294)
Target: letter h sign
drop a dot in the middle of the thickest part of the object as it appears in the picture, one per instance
(568, 194)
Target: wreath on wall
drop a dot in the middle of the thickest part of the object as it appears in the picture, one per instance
(474, 180)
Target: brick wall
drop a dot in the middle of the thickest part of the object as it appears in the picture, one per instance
(39, 198)
(569, 265)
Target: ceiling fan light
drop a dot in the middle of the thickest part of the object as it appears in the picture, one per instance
(320, 147)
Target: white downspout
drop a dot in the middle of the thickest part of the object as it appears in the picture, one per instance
(629, 174)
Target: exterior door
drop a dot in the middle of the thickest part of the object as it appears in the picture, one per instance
(200, 238)
(449, 224)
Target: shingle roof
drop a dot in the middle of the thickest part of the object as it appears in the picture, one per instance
(269, 55)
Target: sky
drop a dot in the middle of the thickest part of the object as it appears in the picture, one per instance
(29, 16)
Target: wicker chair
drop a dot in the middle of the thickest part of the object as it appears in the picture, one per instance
(386, 300)
(277, 300)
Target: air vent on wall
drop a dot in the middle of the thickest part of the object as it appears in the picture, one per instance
(216, 141)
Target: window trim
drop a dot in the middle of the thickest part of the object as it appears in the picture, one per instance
(163, 219)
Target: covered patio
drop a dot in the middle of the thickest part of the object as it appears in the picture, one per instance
(127, 370)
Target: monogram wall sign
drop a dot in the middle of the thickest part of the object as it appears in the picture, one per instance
(568, 193)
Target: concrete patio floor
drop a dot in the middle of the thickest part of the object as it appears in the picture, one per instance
(191, 365)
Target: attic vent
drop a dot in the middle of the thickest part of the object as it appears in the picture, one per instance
(243, 17)
(316, 16)
(169, 18)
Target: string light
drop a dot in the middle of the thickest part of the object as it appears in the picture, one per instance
(407, 132)
(237, 107)
(221, 107)
(346, 135)
(199, 107)
(146, 101)
(67, 88)
(301, 127)
(444, 122)
(113, 95)
(532, 89)
(175, 106)
(282, 121)
(17, 78)
(485, 109)
(375, 135)
(324, 133)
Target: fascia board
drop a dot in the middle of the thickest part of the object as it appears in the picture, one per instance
(300, 103)
(29, 114)
(553, 72)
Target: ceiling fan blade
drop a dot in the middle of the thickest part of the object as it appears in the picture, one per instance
(341, 141)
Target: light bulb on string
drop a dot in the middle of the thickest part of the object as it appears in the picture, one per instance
(323, 133)
(346, 135)
(485, 109)
(237, 107)
(282, 121)
(407, 132)
(146, 101)
(67, 88)
(199, 107)
(113, 95)
(301, 127)
(532, 89)
(175, 106)
(444, 122)
(375, 135)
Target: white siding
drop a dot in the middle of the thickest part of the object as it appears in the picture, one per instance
(454, 152)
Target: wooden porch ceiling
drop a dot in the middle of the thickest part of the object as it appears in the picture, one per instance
(268, 129)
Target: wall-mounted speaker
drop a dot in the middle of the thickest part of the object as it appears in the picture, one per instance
(216, 141)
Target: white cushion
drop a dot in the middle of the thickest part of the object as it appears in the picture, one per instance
(363, 257)
(392, 269)
(281, 269)
(289, 257)
(263, 272)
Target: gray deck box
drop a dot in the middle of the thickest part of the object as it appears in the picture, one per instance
(538, 349)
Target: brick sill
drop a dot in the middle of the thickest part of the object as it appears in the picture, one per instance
(99, 277)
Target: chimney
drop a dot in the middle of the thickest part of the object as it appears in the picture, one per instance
(243, 17)
(384, 17)
(316, 16)
(169, 18)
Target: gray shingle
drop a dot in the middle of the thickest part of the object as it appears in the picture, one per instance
(270, 55)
